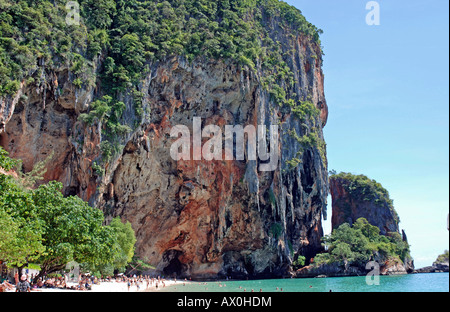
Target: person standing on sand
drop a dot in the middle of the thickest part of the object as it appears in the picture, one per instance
(23, 285)
(16, 277)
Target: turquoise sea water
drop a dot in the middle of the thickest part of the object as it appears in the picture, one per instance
(427, 282)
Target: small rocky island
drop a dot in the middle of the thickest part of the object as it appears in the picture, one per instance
(438, 266)
(365, 232)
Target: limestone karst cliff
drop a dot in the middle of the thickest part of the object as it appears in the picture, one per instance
(193, 218)
(356, 196)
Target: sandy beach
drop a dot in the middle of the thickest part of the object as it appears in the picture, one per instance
(113, 287)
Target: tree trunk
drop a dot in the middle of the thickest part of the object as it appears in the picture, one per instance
(48, 270)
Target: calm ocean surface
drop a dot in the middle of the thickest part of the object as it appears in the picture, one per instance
(426, 282)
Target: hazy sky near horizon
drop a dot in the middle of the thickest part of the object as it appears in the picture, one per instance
(387, 88)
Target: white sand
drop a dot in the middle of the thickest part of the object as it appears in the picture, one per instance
(113, 287)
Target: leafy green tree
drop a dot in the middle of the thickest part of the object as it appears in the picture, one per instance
(370, 231)
(361, 243)
(8, 234)
(42, 226)
(6, 162)
(99, 111)
(131, 53)
(343, 251)
(21, 228)
(72, 230)
(299, 262)
(99, 13)
(124, 247)
(126, 240)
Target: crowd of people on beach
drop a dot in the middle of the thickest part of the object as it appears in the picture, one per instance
(28, 283)
(139, 281)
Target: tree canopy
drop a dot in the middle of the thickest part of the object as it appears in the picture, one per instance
(361, 243)
(44, 227)
(21, 234)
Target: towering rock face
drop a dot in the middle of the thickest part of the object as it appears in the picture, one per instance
(202, 218)
(193, 218)
(355, 197)
(45, 123)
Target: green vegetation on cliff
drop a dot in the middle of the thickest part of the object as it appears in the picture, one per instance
(442, 258)
(34, 36)
(361, 243)
(134, 33)
(42, 226)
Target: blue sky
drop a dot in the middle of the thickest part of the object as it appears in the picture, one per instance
(387, 89)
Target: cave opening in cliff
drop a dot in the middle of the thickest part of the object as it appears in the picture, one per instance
(71, 191)
(249, 268)
(174, 267)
